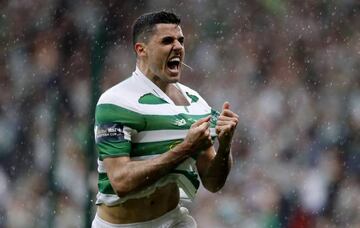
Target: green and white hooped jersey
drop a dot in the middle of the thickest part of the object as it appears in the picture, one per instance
(135, 118)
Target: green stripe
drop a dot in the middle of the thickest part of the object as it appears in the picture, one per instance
(104, 184)
(108, 149)
(192, 97)
(157, 122)
(109, 113)
(150, 98)
(192, 176)
(153, 148)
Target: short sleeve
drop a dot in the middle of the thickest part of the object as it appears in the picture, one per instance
(113, 130)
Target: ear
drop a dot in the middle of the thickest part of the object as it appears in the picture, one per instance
(140, 49)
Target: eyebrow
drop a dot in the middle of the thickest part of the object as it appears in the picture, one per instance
(171, 38)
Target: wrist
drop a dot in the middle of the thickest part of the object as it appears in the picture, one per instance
(182, 148)
(224, 147)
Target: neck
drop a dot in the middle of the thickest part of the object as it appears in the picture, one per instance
(164, 86)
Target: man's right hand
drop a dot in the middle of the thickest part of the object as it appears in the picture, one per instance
(198, 137)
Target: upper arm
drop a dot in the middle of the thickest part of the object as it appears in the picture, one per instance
(116, 170)
(112, 164)
(114, 127)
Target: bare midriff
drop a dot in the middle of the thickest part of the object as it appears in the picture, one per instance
(163, 200)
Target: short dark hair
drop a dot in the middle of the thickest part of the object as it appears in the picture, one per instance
(144, 24)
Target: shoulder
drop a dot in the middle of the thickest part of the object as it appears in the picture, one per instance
(124, 94)
(120, 104)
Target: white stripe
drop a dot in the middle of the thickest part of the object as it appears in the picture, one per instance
(107, 199)
(160, 109)
(162, 135)
(146, 157)
(128, 132)
(159, 135)
(136, 86)
(213, 132)
(169, 109)
(185, 184)
(101, 167)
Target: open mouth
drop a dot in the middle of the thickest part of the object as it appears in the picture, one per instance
(173, 64)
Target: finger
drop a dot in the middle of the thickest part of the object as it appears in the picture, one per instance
(217, 130)
(228, 112)
(227, 123)
(227, 118)
(204, 126)
(207, 132)
(226, 128)
(201, 121)
(230, 121)
(226, 105)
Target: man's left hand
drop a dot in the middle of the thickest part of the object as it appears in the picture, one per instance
(226, 124)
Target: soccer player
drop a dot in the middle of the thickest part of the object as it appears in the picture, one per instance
(155, 136)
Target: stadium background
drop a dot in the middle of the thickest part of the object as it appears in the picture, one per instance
(290, 69)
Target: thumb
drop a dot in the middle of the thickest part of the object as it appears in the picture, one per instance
(226, 105)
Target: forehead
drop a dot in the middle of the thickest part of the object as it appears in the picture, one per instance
(162, 30)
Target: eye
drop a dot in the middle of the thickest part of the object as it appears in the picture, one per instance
(181, 40)
(167, 40)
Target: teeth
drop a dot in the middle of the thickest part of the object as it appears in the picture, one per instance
(175, 59)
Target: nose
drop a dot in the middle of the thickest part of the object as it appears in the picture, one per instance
(177, 46)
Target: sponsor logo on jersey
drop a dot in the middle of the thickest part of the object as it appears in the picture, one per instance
(113, 132)
(180, 122)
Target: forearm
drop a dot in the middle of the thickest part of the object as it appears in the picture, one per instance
(218, 169)
(219, 165)
(135, 175)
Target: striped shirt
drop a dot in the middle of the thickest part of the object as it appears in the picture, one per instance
(135, 118)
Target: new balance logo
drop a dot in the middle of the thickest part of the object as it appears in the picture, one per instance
(180, 122)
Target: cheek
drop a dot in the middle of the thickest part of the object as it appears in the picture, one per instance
(159, 58)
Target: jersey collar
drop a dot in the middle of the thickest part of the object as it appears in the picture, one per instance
(141, 78)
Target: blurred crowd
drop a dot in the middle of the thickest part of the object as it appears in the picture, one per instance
(290, 69)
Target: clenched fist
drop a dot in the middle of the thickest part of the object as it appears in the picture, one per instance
(226, 124)
(199, 137)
